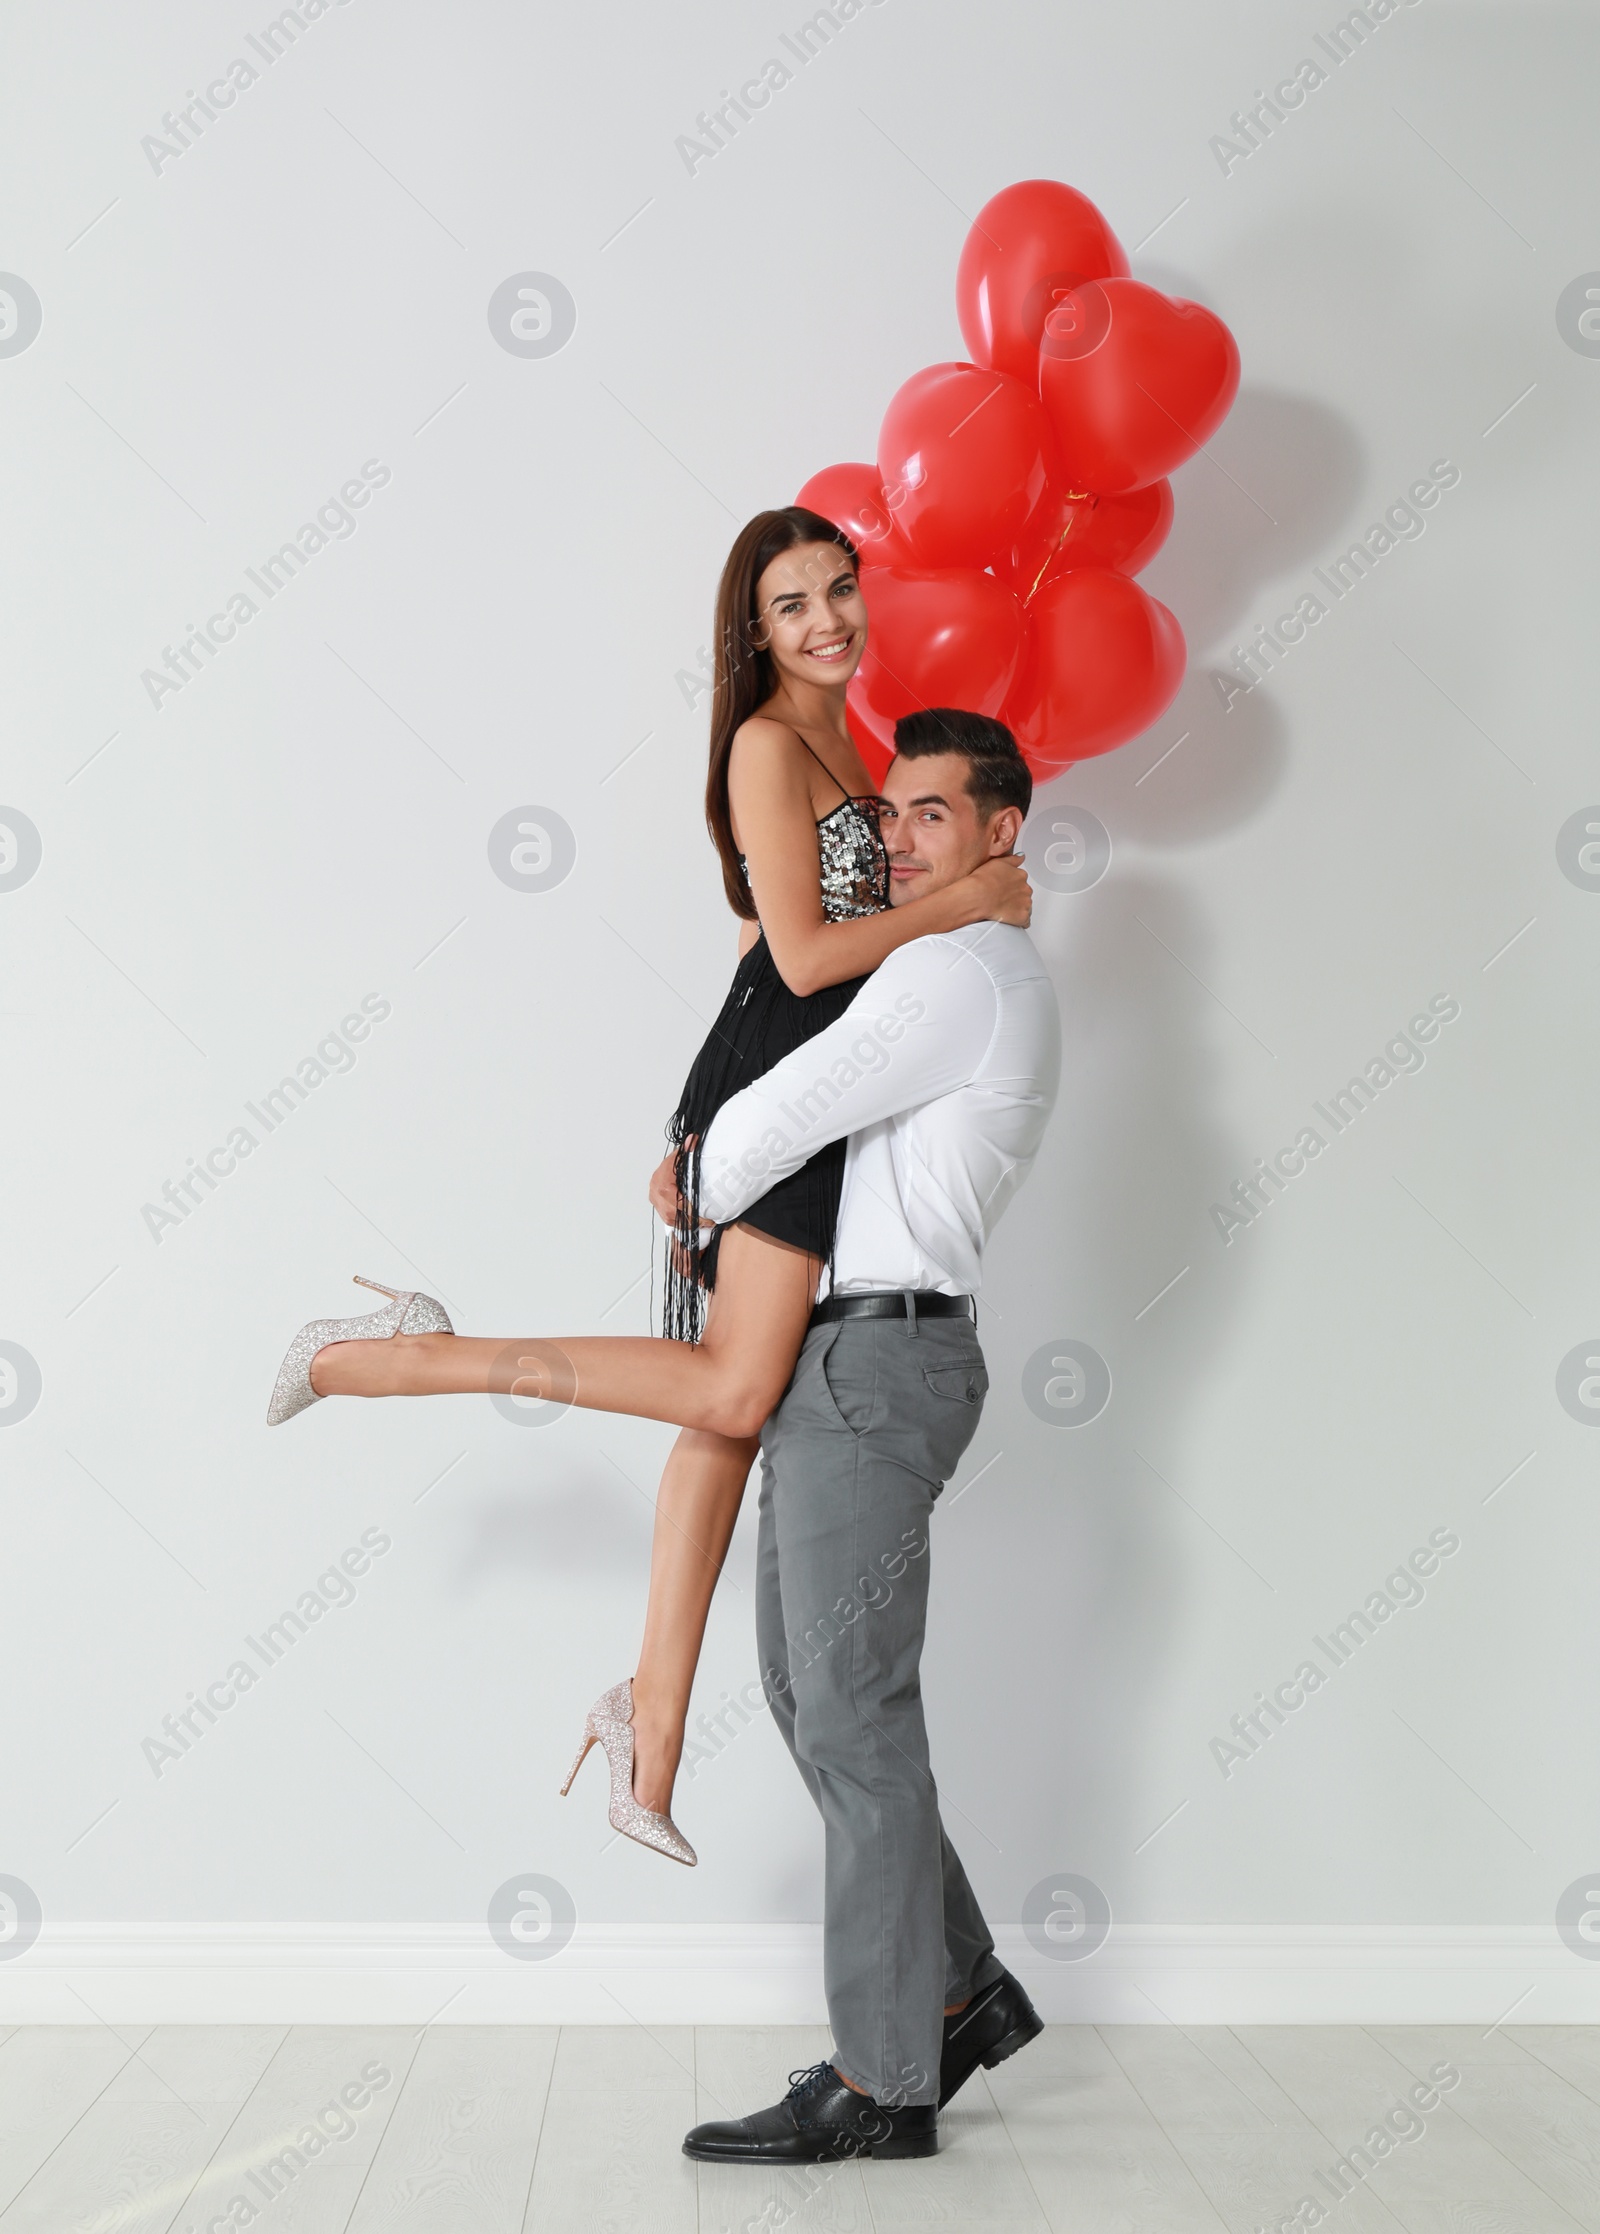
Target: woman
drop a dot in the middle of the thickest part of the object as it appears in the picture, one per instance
(791, 810)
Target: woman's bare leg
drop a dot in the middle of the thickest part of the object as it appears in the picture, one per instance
(725, 1384)
(719, 1391)
(698, 1502)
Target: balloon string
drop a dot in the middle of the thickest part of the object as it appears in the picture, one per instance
(1073, 496)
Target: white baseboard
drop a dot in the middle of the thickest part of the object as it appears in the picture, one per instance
(772, 1974)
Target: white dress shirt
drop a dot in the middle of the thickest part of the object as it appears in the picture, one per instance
(942, 1072)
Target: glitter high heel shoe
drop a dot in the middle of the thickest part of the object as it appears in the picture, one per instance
(406, 1312)
(610, 1720)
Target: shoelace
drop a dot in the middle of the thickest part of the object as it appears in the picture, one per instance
(807, 2082)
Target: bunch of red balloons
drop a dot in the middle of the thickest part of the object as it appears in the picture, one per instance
(1015, 498)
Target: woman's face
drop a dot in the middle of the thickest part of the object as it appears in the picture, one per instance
(811, 616)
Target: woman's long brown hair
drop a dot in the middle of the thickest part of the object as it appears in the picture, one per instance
(743, 676)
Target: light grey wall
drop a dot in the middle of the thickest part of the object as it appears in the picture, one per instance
(225, 341)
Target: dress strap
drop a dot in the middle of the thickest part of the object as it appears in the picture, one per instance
(826, 770)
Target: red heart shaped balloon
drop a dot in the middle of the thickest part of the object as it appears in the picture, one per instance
(1123, 532)
(949, 638)
(1102, 660)
(872, 734)
(1134, 381)
(1029, 245)
(965, 457)
(852, 497)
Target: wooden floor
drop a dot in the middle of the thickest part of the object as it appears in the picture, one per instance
(501, 2130)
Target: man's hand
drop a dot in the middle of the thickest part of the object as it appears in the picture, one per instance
(664, 1189)
(665, 1200)
(998, 891)
(670, 1207)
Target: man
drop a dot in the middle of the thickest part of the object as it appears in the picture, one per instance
(942, 1072)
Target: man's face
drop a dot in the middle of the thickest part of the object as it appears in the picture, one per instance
(931, 829)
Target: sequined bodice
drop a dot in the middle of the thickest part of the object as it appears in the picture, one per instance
(855, 868)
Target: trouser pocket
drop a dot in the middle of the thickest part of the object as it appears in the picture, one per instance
(962, 1383)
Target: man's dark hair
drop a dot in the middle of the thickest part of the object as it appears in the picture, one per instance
(997, 774)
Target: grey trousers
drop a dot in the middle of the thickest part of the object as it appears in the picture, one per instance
(871, 1427)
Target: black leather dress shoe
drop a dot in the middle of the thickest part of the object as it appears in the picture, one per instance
(996, 2022)
(819, 2121)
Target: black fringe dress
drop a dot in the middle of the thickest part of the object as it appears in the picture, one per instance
(762, 1021)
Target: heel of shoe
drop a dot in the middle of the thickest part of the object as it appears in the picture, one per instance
(1029, 2030)
(589, 1737)
(921, 2141)
(423, 1314)
(609, 1725)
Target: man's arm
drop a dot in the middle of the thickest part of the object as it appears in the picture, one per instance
(918, 1028)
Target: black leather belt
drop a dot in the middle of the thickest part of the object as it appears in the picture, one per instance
(892, 1303)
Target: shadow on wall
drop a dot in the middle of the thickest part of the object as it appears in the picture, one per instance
(1113, 1560)
(1283, 477)
(1086, 1629)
